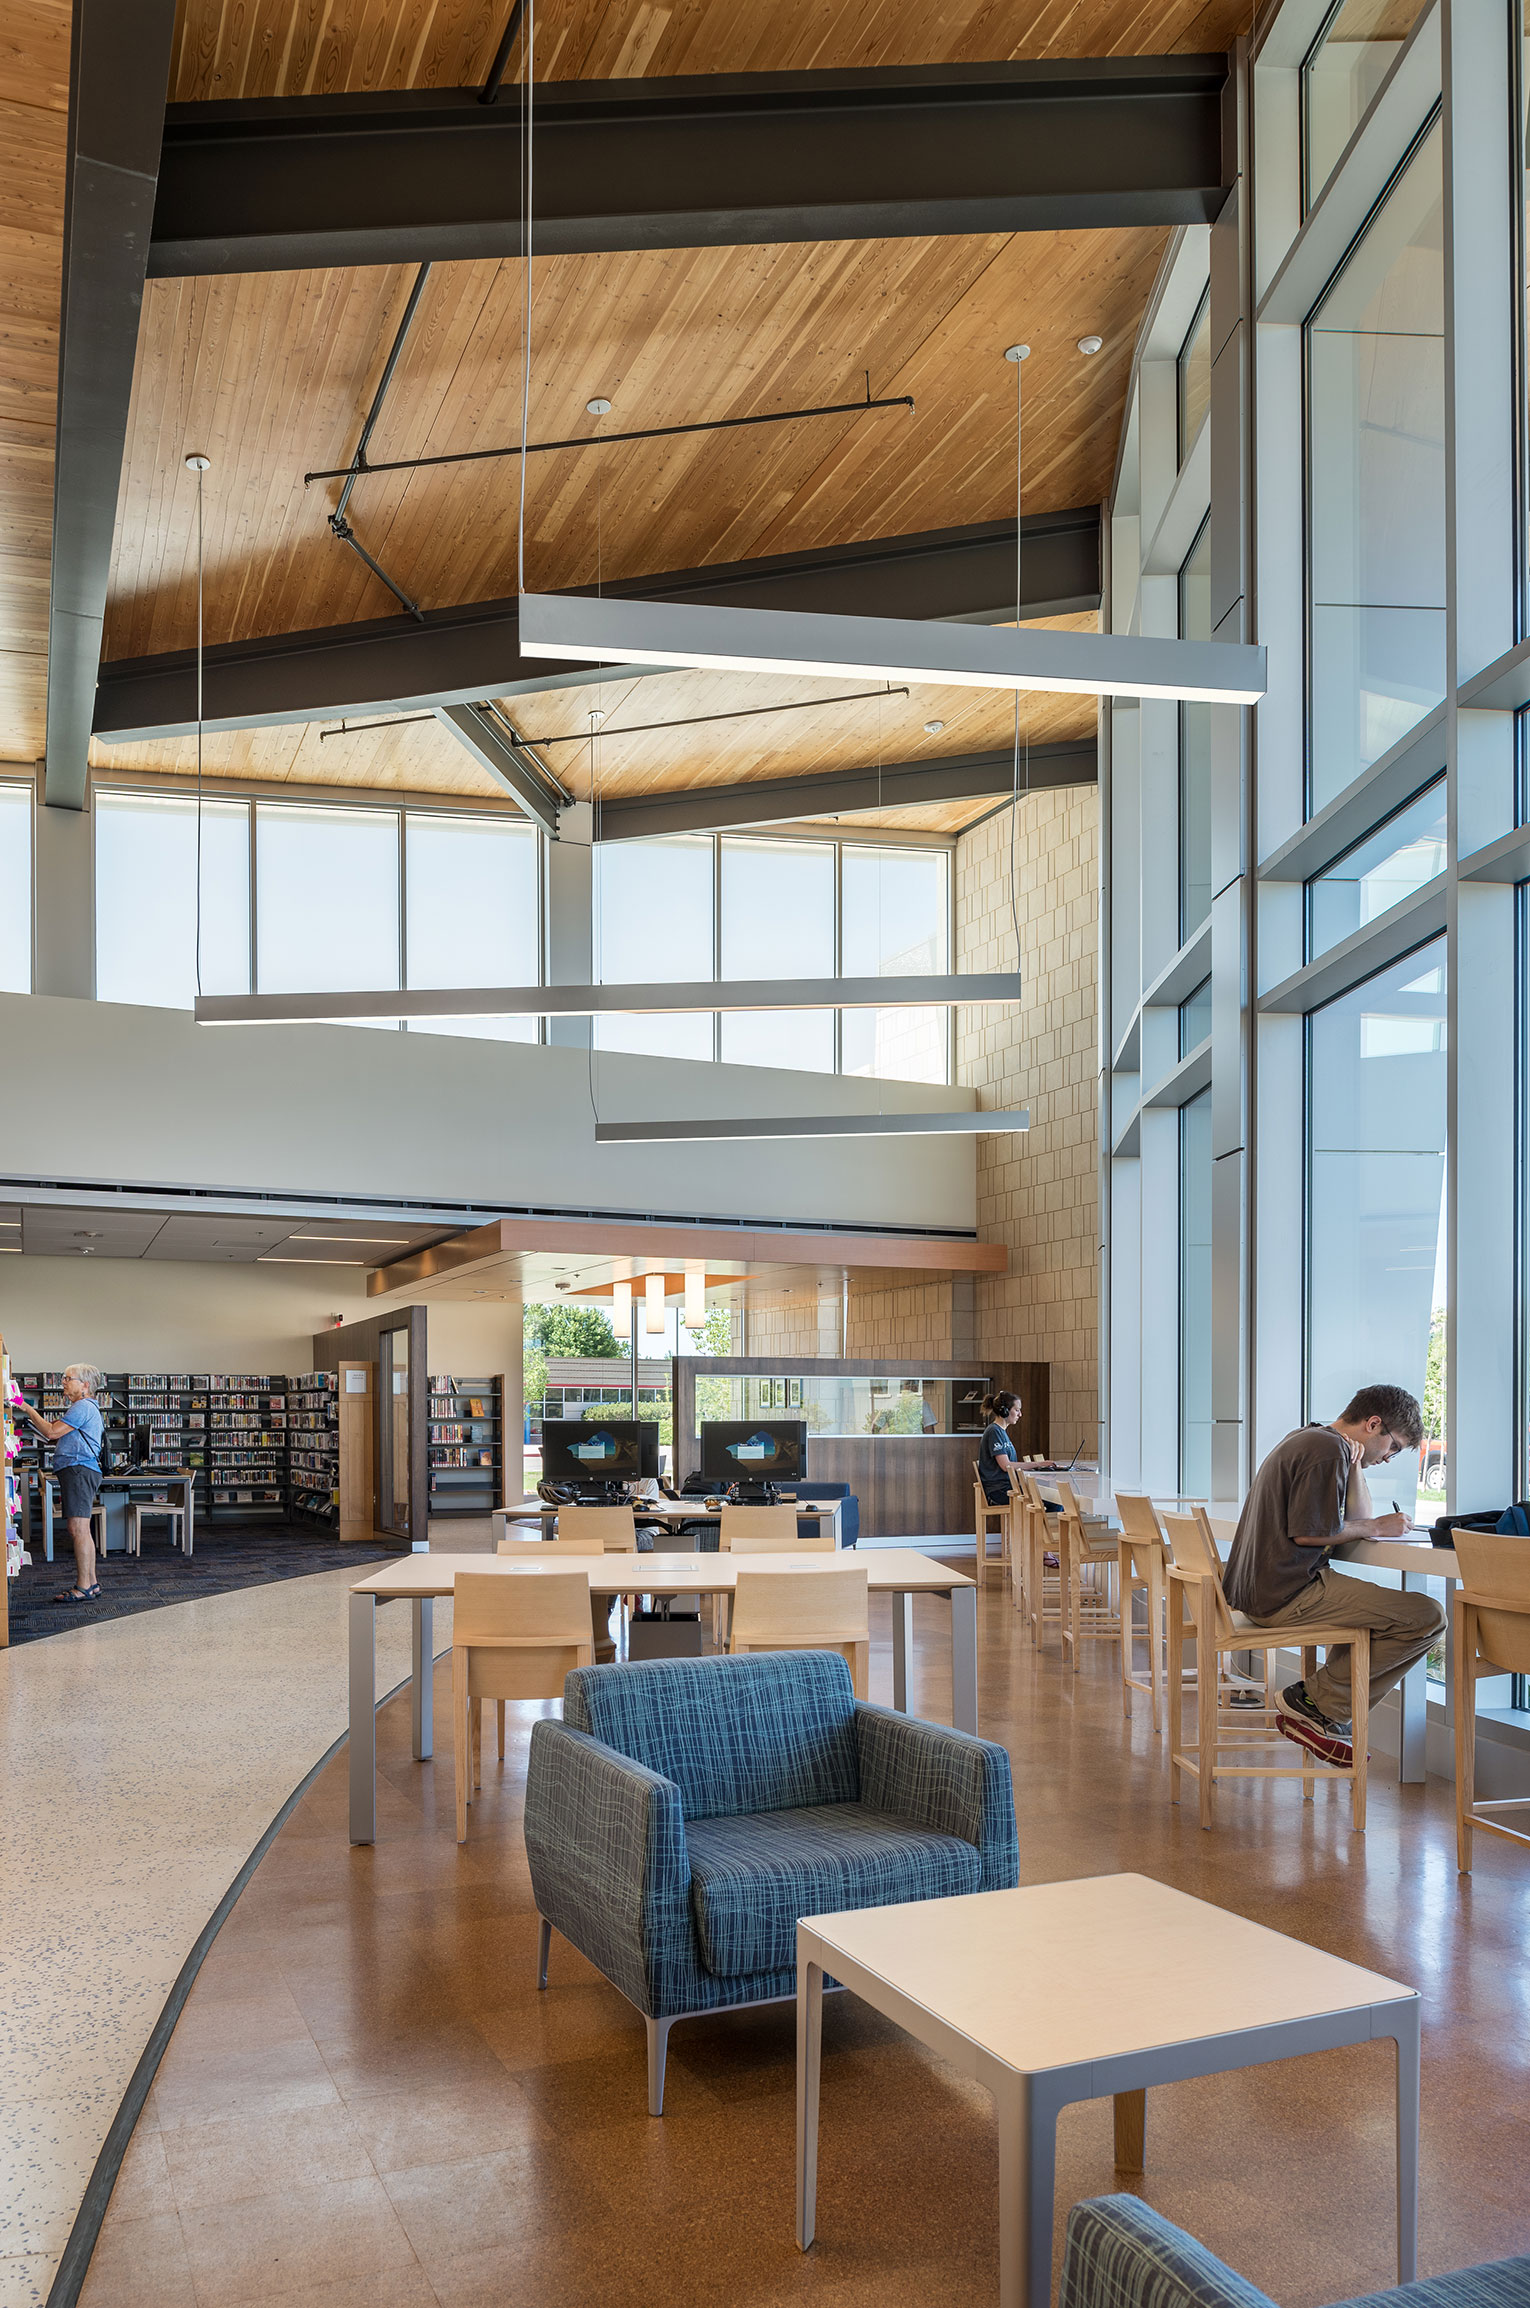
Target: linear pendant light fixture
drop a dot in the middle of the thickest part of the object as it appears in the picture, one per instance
(581, 627)
(981, 989)
(929, 1125)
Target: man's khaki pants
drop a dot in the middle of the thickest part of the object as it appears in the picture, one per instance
(1403, 1627)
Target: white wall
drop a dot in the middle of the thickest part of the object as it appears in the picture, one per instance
(144, 1097)
(142, 1314)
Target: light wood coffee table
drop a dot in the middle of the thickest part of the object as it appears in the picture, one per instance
(1158, 1987)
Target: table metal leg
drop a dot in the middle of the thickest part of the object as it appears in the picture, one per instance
(1413, 1701)
(363, 1702)
(46, 1489)
(423, 1689)
(964, 1705)
(809, 2060)
(1408, 2045)
(1027, 2182)
(903, 1644)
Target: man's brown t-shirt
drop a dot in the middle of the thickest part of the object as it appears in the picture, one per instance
(1299, 1492)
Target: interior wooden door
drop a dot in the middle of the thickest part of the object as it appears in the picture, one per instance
(358, 1386)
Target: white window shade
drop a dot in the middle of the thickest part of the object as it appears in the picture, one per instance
(146, 898)
(471, 914)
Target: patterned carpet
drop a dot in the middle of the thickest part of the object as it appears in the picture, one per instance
(226, 1556)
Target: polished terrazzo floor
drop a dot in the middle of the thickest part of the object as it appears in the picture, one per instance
(367, 2104)
(144, 1757)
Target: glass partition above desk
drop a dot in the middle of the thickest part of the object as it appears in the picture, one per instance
(847, 1406)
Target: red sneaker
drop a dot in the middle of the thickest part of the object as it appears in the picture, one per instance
(1298, 1719)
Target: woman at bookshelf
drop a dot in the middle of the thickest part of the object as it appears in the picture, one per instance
(76, 1440)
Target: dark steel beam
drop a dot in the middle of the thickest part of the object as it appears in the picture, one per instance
(459, 656)
(495, 748)
(895, 785)
(119, 63)
(716, 161)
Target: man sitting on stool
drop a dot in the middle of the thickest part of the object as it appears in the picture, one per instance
(1308, 1496)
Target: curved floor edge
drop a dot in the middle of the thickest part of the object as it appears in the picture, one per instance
(74, 2263)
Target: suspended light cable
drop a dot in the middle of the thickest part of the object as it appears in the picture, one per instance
(529, 58)
(1019, 354)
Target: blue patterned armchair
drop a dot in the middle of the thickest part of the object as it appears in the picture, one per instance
(686, 1812)
(1121, 2254)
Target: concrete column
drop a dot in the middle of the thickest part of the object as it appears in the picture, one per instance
(63, 882)
(571, 917)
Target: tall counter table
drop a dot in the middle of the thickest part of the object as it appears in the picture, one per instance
(418, 1580)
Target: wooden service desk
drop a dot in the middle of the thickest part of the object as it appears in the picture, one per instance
(419, 1579)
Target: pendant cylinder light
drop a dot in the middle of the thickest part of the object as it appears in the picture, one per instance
(653, 1305)
(621, 1307)
(695, 1297)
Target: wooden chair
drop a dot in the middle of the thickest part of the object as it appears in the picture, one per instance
(511, 1639)
(1088, 1562)
(985, 1513)
(613, 1527)
(1143, 1556)
(138, 1511)
(769, 1531)
(1492, 1637)
(1197, 1605)
(806, 1611)
(538, 1550)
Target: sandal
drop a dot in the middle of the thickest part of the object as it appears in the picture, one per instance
(79, 1595)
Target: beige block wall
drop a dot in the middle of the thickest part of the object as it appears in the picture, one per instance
(1039, 1192)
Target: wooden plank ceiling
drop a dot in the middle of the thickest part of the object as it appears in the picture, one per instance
(34, 104)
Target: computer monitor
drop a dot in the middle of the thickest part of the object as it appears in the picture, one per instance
(139, 1439)
(747, 1450)
(604, 1450)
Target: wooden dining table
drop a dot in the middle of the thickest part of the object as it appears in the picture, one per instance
(420, 1579)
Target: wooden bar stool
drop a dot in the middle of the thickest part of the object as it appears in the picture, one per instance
(138, 1509)
(1043, 1586)
(987, 1512)
(1492, 1637)
(1198, 1606)
(1143, 1554)
(1088, 1568)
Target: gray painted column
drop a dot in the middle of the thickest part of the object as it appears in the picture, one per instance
(1480, 492)
(63, 907)
(571, 917)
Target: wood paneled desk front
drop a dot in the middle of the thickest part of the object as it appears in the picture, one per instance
(419, 1579)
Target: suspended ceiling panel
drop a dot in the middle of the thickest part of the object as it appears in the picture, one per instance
(276, 48)
(271, 375)
(52, 1230)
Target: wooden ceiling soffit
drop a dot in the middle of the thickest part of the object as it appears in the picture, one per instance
(485, 1246)
(462, 655)
(715, 160)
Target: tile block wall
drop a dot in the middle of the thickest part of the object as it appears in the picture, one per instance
(1039, 1193)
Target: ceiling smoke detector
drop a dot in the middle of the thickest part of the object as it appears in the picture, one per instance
(933, 728)
(599, 407)
(1090, 344)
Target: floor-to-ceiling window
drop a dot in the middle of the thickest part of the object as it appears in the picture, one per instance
(654, 923)
(1376, 479)
(1195, 1297)
(15, 889)
(1376, 1060)
(1195, 748)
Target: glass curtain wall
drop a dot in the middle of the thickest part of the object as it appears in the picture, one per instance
(1193, 377)
(896, 906)
(1376, 482)
(15, 889)
(1195, 748)
(471, 914)
(1352, 55)
(326, 899)
(154, 943)
(1195, 1297)
(1376, 1062)
(1391, 864)
(654, 921)
(777, 905)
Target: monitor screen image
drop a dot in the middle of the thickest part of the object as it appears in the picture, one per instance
(607, 1450)
(769, 1450)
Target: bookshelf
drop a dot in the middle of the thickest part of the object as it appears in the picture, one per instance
(466, 1444)
(10, 1504)
(313, 1447)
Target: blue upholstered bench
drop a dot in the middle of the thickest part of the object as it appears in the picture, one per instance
(686, 1812)
(1121, 2254)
